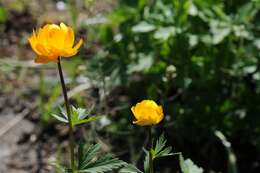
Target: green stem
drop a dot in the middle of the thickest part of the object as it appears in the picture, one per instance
(73, 13)
(71, 138)
(150, 150)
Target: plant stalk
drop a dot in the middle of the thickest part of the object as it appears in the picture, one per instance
(73, 13)
(151, 166)
(71, 138)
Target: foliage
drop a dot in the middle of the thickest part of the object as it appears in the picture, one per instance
(130, 169)
(187, 166)
(3, 15)
(199, 58)
(89, 163)
(159, 150)
(78, 116)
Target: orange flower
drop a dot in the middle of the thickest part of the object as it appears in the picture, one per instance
(53, 41)
(147, 112)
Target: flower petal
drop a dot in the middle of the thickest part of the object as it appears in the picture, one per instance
(33, 41)
(147, 112)
(42, 60)
(77, 46)
(69, 38)
(72, 51)
(52, 41)
(41, 49)
(63, 27)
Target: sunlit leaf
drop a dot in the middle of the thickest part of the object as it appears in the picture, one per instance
(187, 166)
(59, 118)
(164, 33)
(143, 27)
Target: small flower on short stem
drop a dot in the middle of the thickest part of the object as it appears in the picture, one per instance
(148, 113)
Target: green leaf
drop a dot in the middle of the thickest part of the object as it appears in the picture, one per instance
(89, 163)
(60, 118)
(83, 113)
(3, 15)
(164, 33)
(165, 152)
(63, 112)
(143, 27)
(146, 162)
(160, 144)
(80, 155)
(145, 62)
(247, 12)
(93, 118)
(130, 169)
(87, 155)
(105, 164)
(160, 149)
(187, 166)
(220, 30)
(78, 116)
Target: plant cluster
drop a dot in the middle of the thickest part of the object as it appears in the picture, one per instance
(201, 59)
(52, 43)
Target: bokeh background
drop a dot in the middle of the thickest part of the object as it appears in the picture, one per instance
(197, 58)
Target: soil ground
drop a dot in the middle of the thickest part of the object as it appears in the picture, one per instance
(25, 144)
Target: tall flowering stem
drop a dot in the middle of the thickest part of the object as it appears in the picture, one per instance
(151, 166)
(67, 105)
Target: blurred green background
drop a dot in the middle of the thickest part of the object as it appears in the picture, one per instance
(197, 58)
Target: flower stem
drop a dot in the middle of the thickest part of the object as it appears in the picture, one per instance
(71, 138)
(150, 151)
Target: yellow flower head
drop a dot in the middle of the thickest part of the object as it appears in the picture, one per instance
(53, 41)
(147, 112)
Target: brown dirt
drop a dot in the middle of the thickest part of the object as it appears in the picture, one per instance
(28, 146)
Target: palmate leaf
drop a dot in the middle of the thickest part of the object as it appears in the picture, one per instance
(85, 156)
(130, 169)
(78, 116)
(79, 113)
(105, 164)
(87, 161)
(160, 149)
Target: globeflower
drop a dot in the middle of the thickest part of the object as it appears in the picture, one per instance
(53, 41)
(147, 112)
